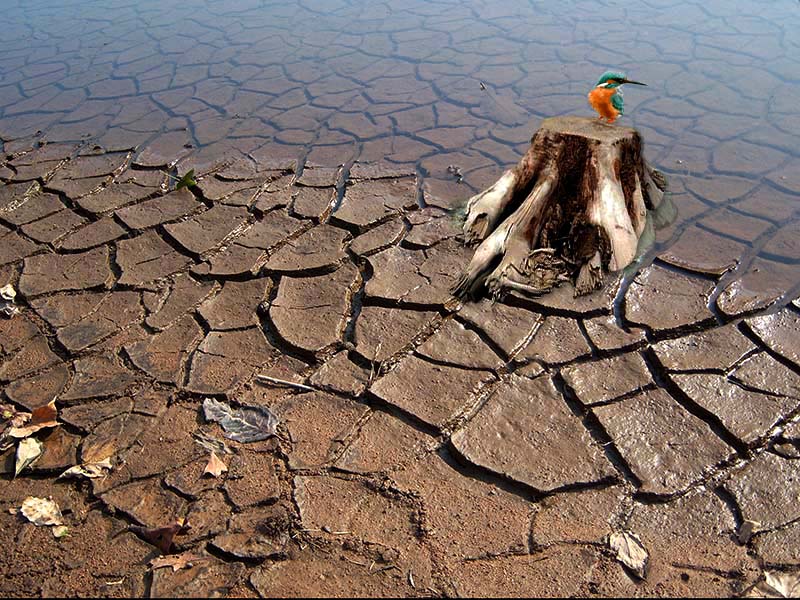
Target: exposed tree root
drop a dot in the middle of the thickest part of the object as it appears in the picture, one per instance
(573, 209)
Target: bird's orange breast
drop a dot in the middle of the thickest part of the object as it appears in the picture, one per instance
(600, 100)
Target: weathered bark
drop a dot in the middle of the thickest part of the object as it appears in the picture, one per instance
(572, 209)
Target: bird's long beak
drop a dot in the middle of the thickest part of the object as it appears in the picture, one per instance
(633, 82)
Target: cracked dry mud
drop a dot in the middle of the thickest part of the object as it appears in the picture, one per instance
(446, 449)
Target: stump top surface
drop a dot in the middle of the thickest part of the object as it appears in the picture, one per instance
(588, 127)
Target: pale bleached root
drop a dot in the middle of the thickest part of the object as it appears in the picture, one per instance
(512, 242)
(485, 209)
(607, 210)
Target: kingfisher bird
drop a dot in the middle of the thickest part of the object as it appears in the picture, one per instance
(606, 97)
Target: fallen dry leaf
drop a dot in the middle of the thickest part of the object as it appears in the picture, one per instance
(28, 451)
(215, 466)
(88, 470)
(211, 443)
(245, 424)
(176, 561)
(630, 551)
(161, 537)
(776, 585)
(41, 511)
(41, 418)
(7, 292)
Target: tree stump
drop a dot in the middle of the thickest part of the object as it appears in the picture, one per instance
(574, 209)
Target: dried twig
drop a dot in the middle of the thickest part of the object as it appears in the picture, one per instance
(300, 386)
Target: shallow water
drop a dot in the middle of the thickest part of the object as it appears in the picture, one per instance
(335, 81)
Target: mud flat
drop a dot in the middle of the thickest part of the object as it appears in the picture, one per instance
(424, 445)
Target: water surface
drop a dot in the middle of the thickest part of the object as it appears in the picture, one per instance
(437, 83)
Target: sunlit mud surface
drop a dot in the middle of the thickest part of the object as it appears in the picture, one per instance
(437, 448)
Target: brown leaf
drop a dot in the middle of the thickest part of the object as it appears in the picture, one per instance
(176, 561)
(215, 466)
(775, 585)
(161, 537)
(45, 413)
(41, 418)
(88, 470)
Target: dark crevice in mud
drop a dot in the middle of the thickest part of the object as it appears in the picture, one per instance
(221, 278)
(174, 244)
(596, 430)
(403, 305)
(356, 302)
(452, 457)
(113, 265)
(185, 369)
(535, 307)
(469, 325)
(528, 492)
(745, 330)
(661, 376)
(649, 387)
(596, 352)
(229, 557)
(72, 205)
(730, 503)
(453, 365)
(658, 335)
(410, 419)
(302, 273)
(419, 189)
